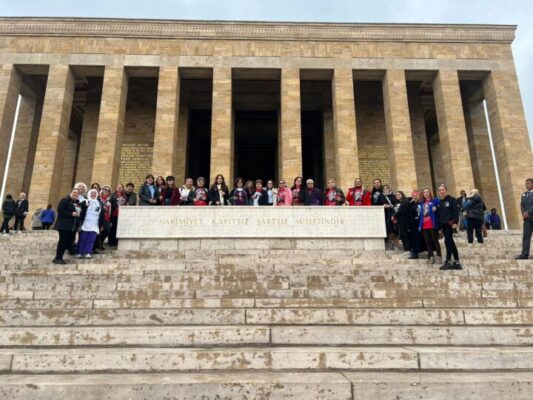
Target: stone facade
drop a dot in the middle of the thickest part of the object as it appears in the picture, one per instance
(420, 126)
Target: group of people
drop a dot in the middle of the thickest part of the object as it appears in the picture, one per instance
(14, 209)
(86, 218)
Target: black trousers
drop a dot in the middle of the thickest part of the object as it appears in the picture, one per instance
(526, 239)
(471, 226)
(19, 223)
(112, 239)
(5, 224)
(414, 241)
(64, 243)
(431, 237)
(46, 225)
(451, 248)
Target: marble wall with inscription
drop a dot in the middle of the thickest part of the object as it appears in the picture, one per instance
(251, 222)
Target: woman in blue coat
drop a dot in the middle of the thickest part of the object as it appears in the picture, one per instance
(429, 224)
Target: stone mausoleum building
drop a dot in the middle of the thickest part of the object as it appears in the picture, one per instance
(108, 101)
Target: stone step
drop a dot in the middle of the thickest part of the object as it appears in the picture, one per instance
(272, 385)
(190, 386)
(267, 316)
(193, 336)
(147, 303)
(122, 317)
(82, 360)
(442, 385)
(411, 358)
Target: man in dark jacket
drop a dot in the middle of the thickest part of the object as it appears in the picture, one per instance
(68, 214)
(526, 206)
(21, 211)
(313, 195)
(448, 214)
(8, 209)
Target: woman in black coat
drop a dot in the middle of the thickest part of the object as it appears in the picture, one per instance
(67, 223)
(475, 214)
(402, 215)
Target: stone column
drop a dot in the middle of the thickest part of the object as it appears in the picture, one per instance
(329, 146)
(18, 164)
(420, 142)
(180, 158)
(9, 91)
(510, 138)
(482, 165)
(53, 135)
(110, 126)
(88, 142)
(221, 125)
(290, 135)
(452, 132)
(166, 122)
(398, 126)
(69, 163)
(344, 127)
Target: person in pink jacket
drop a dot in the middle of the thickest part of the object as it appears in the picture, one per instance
(283, 196)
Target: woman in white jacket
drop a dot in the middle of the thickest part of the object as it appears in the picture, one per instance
(90, 227)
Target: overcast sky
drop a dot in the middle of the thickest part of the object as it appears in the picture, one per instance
(519, 12)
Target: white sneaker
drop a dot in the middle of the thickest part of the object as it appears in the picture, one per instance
(88, 256)
(79, 256)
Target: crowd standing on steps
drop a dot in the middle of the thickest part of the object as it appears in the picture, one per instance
(88, 219)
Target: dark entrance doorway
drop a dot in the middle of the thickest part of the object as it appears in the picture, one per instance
(313, 147)
(256, 144)
(199, 144)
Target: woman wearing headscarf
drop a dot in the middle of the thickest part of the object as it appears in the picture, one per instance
(90, 228)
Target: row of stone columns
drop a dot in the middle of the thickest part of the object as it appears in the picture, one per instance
(104, 126)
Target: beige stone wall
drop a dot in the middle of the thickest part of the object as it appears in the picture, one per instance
(137, 150)
(371, 134)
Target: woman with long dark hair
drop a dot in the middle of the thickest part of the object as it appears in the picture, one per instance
(219, 192)
(429, 223)
(298, 192)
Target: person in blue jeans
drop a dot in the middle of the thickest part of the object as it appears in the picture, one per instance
(47, 217)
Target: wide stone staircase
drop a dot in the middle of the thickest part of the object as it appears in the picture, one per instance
(265, 319)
